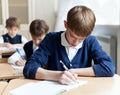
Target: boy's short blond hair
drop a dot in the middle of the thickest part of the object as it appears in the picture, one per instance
(11, 22)
(38, 27)
(81, 20)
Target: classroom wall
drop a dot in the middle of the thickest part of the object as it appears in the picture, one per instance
(45, 9)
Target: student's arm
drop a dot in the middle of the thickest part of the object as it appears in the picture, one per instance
(15, 59)
(34, 66)
(1, 42)
(84, 71)
(103, 64)
(63, 77)
(33, 70)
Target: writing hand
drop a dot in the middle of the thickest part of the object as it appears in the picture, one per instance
(66, 77)
(20, 62)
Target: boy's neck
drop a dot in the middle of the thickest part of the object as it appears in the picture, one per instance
(12, 36)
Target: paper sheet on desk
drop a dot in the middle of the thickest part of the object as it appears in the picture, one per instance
(17, 67)
(44, 88)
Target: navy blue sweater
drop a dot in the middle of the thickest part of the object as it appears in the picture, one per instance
(51, 52)
(16, 40)
(28, 48)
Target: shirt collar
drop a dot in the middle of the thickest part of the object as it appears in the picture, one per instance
(66, 44)
(35, 47)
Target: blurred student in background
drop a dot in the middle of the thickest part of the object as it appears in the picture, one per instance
(38, 29)
(11, 39)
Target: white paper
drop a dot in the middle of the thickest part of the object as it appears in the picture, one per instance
(17, 67)
(45, 88)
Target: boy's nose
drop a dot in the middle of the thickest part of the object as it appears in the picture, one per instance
(37, 43)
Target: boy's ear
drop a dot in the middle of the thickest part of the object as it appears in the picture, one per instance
(65, 24)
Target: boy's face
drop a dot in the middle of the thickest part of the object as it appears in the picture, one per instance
(12, 31)
(37, 39)
(72, 38)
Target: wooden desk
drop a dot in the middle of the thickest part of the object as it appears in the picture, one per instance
(7, 72)
(6, 52)
(3, 60)
(95, 86)
(16, 83)
(3, 85)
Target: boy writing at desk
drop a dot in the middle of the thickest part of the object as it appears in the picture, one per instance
(12, 39)
(38, 29)
(74, 48)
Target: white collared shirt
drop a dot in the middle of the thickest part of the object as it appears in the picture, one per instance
(35, 47)
(71, 50)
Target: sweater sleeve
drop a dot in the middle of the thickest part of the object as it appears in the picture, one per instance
(37, 59)
(1, 39)
(103, 64)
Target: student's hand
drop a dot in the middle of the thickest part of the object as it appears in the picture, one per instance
(20, 62)
(67, 77)
(8, 45)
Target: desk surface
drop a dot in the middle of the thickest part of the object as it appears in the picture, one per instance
(3, 85)
(7, 72)
(95, 86)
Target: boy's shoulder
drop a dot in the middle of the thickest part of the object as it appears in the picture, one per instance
(28, 43)
(91, 38)
(19, 35)
(54, 35)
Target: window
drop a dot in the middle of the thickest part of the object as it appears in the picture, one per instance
(0, 12)
(19, 9)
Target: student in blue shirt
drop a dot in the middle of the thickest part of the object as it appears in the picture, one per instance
(12, 39)
(38, 29)
(69, 53)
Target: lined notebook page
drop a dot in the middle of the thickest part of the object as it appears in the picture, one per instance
(45, 88)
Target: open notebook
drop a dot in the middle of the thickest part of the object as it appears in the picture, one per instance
(45, 88)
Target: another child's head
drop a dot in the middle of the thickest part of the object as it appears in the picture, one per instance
(12, 25)
(38, 30)
(80, 23)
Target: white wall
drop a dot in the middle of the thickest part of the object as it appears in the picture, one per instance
(45, 9)
(107, 11)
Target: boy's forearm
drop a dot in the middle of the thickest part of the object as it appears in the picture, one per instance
(47, 74)
(2, 45)
(84, 71)
(18, 45)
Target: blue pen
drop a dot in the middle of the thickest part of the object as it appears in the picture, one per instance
(65, 67)
(19, 53)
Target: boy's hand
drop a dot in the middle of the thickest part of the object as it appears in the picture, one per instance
(20, 62)
(8, 45)
(67, 77)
